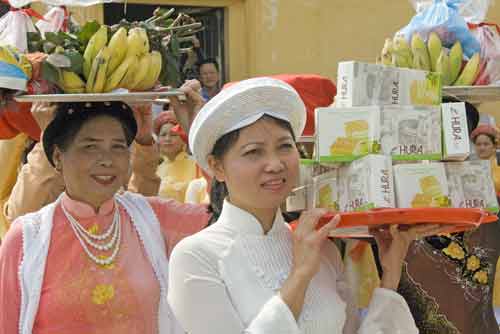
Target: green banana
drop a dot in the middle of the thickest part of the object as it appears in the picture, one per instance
(100, 79)
(70, 81)
(138, 43)
(421, 59)
(435, 46)
(153, 74)
(443, 67)
(402, 55)
(118, 46)
(386, 55)
(116, 77)
(101, 58)
(141, 72)
(470, 72)
(95, 44)
(456, 56)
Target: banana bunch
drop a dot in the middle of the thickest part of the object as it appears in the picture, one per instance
(11, 55)
(431, 56)
(123, 62)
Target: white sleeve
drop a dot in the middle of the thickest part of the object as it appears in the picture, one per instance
(200, 301)
(388, 312)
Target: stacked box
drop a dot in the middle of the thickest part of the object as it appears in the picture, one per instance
(471, 185)
(366, 183)
(345, 134)
(456, 144)
(411, 132)
(421, 185)
(364, 84)
(325, 191)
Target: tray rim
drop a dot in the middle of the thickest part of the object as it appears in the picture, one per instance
(99, 97)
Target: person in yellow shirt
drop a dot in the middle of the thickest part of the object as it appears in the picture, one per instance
(177, 169)
(485, 140)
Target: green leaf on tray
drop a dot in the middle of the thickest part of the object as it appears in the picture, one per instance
(59, 60)
(54, 38)
(76, 60)
(50, 73)
(89, 29)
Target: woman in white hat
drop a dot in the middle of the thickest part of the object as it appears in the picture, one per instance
(248, 272)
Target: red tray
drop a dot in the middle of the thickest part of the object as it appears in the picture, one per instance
(356, 224)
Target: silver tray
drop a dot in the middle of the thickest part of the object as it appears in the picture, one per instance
(101, 97)
(473, 94)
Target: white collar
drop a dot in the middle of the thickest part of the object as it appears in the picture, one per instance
(244, 222)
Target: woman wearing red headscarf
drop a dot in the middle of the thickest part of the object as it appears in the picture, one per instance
(176, 169)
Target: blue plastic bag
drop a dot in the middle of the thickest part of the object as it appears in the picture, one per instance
(444, 18)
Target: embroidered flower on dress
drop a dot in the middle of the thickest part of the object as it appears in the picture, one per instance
(473, 263)
(455, 251)
(481, 277)
(102, 293)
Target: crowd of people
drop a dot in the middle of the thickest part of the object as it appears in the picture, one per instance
(119, 222)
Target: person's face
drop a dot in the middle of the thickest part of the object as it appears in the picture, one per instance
(209, 76)
(484, 147)
(261, 168)
(170, 143)
(96, 164)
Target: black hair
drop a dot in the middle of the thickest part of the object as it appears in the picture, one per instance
(471, 111)
(209, 61)
(70, 117)
(218, 191)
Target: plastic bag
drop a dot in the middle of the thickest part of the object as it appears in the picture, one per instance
(55, 20)
(442, 17)
(488, 35)
(473, 11)
(14, 28)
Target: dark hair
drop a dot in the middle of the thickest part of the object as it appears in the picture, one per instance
(70, 117)
(491, 137)
(208, 61)
(471, 111)
(218, 191)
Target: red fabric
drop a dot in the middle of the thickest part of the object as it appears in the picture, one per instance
(163, 118)
(483, 129)
(179, 131)
(17, 118)
(474, 25)
(28, 11)
(315, 91)
(65, 26)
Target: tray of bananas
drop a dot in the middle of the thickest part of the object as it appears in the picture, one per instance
(128, 61)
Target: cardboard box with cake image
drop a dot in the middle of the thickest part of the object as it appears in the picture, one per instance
(366, 183)
(421, 185)
(456, 144)
(471, 185)
(346, 134)
(365, 84)
(411, 132)
(311, 174)
(326, 192)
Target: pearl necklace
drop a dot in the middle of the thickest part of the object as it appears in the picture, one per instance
(84, 237)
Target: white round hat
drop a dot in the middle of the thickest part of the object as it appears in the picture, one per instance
(240, 105)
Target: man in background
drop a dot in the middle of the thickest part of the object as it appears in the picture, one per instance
(209, 78)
